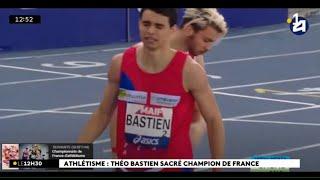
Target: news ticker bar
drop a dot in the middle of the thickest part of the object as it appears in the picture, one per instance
(156, 163)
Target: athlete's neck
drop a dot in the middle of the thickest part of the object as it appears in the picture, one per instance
(156, 60)
(178, 41)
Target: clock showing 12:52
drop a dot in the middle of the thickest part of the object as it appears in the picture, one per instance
(24, 19)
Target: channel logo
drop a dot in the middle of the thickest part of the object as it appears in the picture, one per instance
(298, 25)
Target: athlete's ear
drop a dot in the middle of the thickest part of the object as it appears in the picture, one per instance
(188, 30)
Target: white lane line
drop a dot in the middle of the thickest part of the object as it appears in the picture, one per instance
(66, 54)
(267, 99)
(271, 122)
(95, 77)
(38, 70)
(54, 112)
(214, 76)
(269, 82)
(275, 112)
(123, 48)
(62, 54)
(289, 150)
(36, 80)
(44, 111)
(51, 72)
(256, 34)
(102, 141)
(263, 57)
(263, 33)
(98, 74)
(298, 93)
(15, 58)
(114, 49)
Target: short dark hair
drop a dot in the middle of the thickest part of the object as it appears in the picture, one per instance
(171, 13)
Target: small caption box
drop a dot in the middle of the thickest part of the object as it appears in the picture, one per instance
(24, 19)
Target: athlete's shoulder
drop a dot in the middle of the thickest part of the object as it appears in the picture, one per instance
(193, 74)
(117, 59)
(190, 62)
(193, 68)
(181, 53)
(115, 68)
(200, 59)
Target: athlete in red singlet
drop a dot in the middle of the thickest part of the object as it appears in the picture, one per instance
(155, 89)
(154, 111)
(200, 30)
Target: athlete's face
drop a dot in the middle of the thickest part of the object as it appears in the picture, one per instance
(202, 41)
(155, 30)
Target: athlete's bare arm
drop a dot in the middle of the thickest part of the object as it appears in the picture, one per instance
(196, 81)
(101, 117)
(200, 60)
